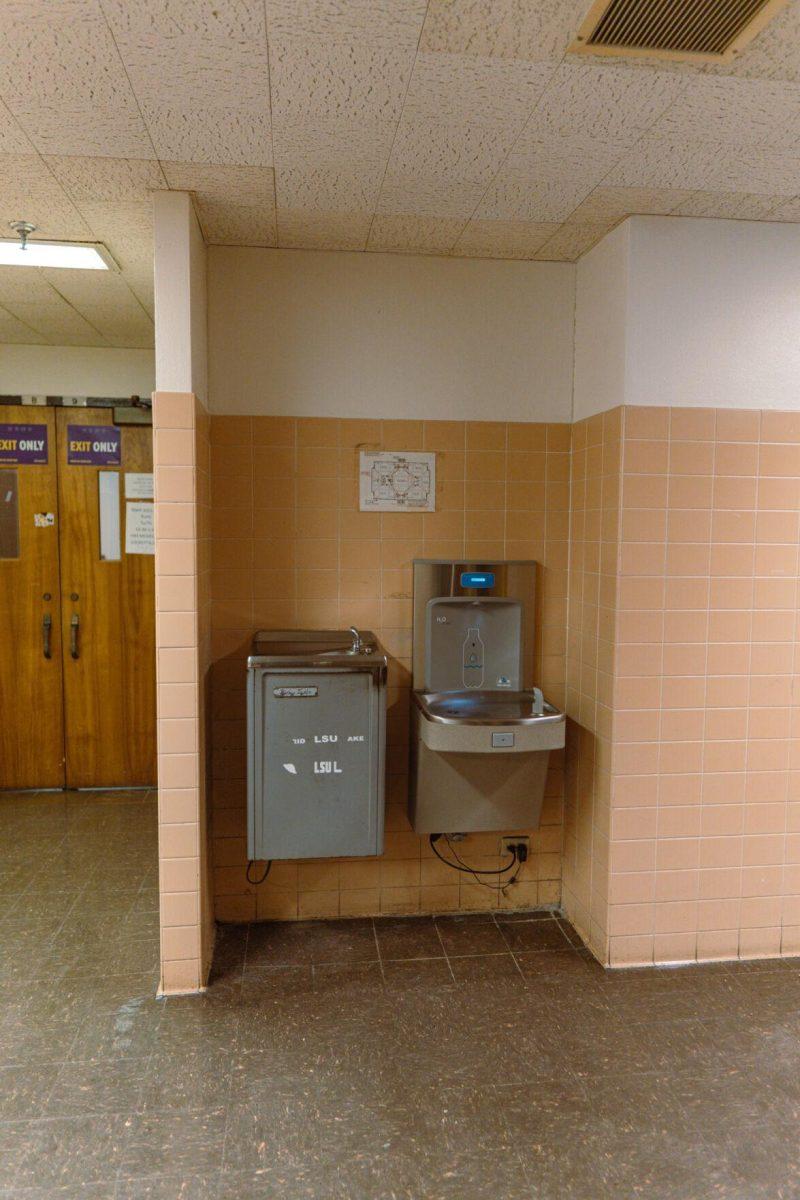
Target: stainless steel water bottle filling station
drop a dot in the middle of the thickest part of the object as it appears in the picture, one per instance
(481, 730)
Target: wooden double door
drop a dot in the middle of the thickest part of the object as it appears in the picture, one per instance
(77, 600)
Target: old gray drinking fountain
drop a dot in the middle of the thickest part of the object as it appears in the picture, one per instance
(316, 720)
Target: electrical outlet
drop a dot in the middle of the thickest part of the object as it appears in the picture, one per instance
(514, 839)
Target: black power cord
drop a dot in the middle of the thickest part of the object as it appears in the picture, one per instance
(256, 882)
(466, 869)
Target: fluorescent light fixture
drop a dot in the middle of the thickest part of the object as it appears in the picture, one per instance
(86, 256)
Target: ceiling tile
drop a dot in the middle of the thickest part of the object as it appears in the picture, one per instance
(29, 192)
(227, 184)
(25, 177)
(437, 153)
(413, 234)
(316, 80)
(182, 70)
(204, 133)
(87, 290)
(332, 144)
(774, 54)
(139, 279)
(514, 197)
(327, 189)
(53, 223)
(58, 322)
(397, 22)
(229, 224)
(742, 206)
(88, 131)
(484, 141)
(460, 89)
(129, 338)
(448, 199)
(551, 161)
(749, 169)
(503, 239)
(238, 19)
(14, 331)
(570, 242)
(64, 58)
(661, 162)
(13, 140)
(24, 284)
(609, 103)
(106, 179)
(743, 112)
(612, 204)
(323, 231)
(519, 29)
(787, 210)
(129, 326)
(126, 228)
(120, 220)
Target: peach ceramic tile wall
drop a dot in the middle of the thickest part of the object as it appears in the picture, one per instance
(594, 540)
(181, 452)
(291, 549)
(705, 822)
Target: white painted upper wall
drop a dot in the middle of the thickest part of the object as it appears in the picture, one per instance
(75, 371)
(714, 313)
(689, 312)
(180, 295)
(319, 333)
(601, 324)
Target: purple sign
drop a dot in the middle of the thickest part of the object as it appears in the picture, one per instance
(23, 444)
(94, 446)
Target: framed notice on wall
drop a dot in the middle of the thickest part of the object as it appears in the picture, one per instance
(397, 481)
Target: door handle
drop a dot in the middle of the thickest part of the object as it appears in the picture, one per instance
(47, 626)
(74, 625)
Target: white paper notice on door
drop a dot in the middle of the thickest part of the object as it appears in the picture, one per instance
(140, 537)
(138, 485)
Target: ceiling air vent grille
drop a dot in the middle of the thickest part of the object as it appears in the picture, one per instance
(706, 29)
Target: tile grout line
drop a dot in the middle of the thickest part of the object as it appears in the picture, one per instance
(444, 950)
(378, 949)
(508, 946)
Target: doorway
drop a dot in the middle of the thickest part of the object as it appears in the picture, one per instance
(77, 598)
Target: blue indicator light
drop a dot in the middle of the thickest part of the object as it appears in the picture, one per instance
(477, 579)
